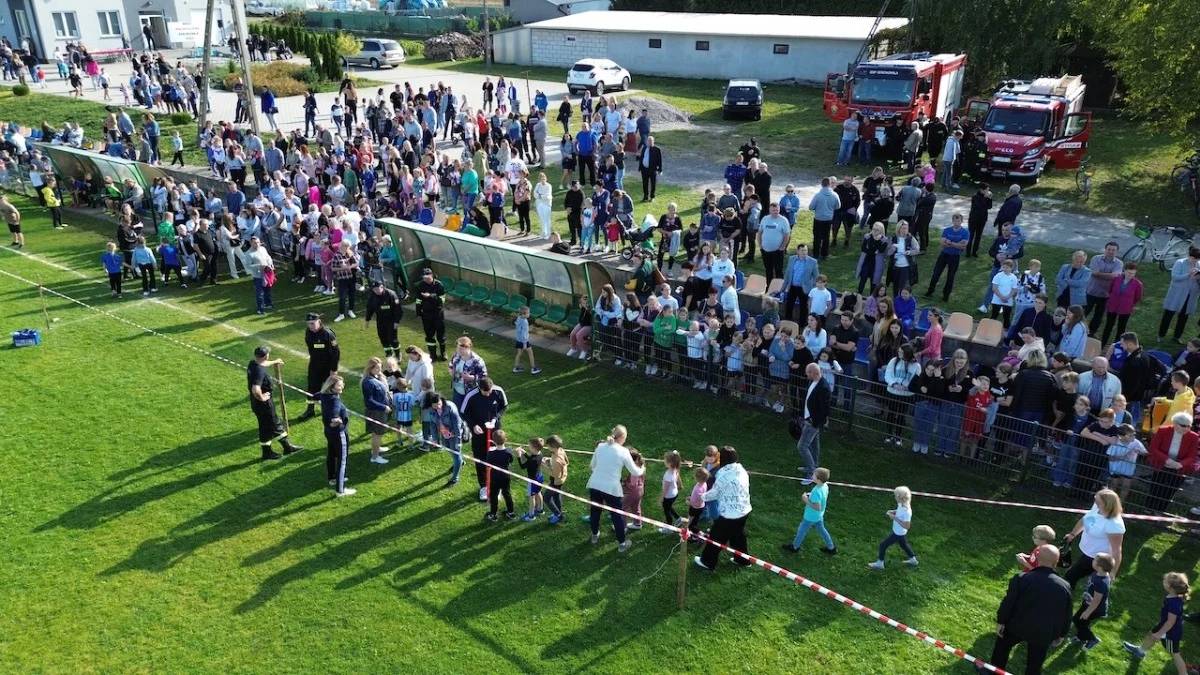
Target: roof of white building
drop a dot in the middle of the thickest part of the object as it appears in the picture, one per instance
(743, 25)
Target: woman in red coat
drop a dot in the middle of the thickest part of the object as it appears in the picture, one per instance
(1173, 452)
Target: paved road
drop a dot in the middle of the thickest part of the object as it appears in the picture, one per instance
(1041, 222)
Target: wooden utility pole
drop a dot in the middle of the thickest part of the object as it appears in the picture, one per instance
(202, 118)
(239, 20)
(487, 38)
(681, 585)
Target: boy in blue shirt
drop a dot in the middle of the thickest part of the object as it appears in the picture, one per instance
(403, 402)
(170, 262)
(1095, 601)
(815, 502)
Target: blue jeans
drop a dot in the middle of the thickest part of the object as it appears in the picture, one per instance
(456, 460)
(864, 152)
(1068, 457)
(987, 296)
(1135, 409)
(925, 420)
(262, 294)
(621, 178)
(865, 221)
(844, 151)
(809, 447)
(1026, 428)
(710, 510)
(949, 428)
(802, 532)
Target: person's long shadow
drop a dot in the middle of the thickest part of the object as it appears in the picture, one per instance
(231, 517)
(118, 500)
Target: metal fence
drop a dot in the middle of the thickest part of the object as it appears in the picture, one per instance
(978, 441)
(427, 24)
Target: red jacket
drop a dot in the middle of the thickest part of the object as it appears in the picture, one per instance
(1122, 302)
(1161, 444)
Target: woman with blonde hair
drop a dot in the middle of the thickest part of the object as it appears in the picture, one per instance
(604, 486)
(1100, 530)
(335, 417)
(377, 402)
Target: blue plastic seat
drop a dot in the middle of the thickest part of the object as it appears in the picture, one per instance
(739, 281)
(742, 320)
(1163, 358)
(923, 325)
(861, 354)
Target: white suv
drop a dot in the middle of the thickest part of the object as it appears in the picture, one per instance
(598, 75)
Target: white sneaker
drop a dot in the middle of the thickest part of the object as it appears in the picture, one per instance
(698, 385)
(329, 291)
(319, 289)
(378, 460)
(583, 355)
(912, 561)
(351, 313)
(778, 407)
(624, 546)
(635, 527)
(346, 492)
(982, 309)
(618, 363)
(340, 317)
(663, 530)
(146, 293)
(385, 448)
(877, 565)
(649, 368)
(153, 290)
(1195, 510)
(572, 352)
(483, 494)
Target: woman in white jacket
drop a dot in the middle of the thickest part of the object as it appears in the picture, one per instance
(229, 241)
(420, 368)
(898, 375)
(604, 486)
(542, 196)
(731, 492)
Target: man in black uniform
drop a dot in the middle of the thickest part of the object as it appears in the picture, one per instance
(269, 428)
(323, 357)
(430, 298)
(481, 411)
(384, 302)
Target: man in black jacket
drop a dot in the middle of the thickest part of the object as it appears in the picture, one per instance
(573, 203)
(650, 164)
(1036, 610)
(481, 412)
(847, 213)
(384, 302)
(1011, 208)
(981, 204)
(206, 250)
(816, 415)
(1137, 375)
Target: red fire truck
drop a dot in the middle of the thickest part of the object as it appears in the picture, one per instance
(897, 86)
(1033, 124)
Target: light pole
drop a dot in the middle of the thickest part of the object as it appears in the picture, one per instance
(239, 19)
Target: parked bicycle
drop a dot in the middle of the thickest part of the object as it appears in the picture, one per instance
(1083, 177)
(1165, 244)
(1187, 176)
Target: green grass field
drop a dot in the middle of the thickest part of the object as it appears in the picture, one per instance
(142, 534)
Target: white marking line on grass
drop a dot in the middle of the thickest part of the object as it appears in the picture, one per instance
(173, 306)
(787, 574)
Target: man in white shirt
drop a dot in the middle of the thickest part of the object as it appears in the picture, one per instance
(849, 136)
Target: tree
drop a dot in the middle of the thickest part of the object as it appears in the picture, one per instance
(347, 45)
(1154, 51)
(333, 60)
(314, 61)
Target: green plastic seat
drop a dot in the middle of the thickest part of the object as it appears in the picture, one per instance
(556, 313)
(499, 299)
(447, 283)
(537, 309)
(461, 290)
(572, 318)
(479, 294)
(515, 302)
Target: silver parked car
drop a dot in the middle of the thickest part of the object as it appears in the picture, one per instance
(376, 53)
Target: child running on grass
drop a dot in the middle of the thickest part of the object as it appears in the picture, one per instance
(901, 518)
(403, 403)
(670, 490)
(1043, 535)
(695, 501)
(1095, 601)
(558, 464)
(1170, 622)
(114, 262)
(532, 463)
(815, 503)
(170, 263)
(523, 344)
(632, 489)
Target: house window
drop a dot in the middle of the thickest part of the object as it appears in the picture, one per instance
(570, 39)
(701, 45)
(781, 49)
(110, 23)
(655, 43)
(65, 25)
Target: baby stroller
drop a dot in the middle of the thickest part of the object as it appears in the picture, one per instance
(642, 237)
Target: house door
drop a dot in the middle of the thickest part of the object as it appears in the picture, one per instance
(158, 30)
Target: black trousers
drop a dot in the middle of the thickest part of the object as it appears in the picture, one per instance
(269, 426)
(794, 294)
(587, 163)
(1004, 312)
(386, 329)
(1165, 323)
(1095, 308)
(649, 183)
(575, 227)
(56, 215)
(773, 264)
(820, 247)
(435, 331)
(501, 485)
(479, 450)
(114, 282)
(728, 531)
(1121, 320)
(523, 222)
(318, 372)
(1079, 570)
(337, 447)
(950, 264)
(975, 230)
(611, 501)
(1005, 644)
(1083, 627)
(208, 271)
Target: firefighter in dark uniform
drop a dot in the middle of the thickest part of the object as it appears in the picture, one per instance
(259, 382)
(431, 297)
(323, 357)
(385, 303)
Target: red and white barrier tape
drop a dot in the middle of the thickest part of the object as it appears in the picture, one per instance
(683, 532)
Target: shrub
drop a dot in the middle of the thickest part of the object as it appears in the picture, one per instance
(413, 48)
(180, 118)
(292, 17)
(308, 75)
(347, 45)
(233, 67)
(20, 90)
(314, 58)
(282, 77)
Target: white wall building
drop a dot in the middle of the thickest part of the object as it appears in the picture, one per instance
(48, 24)
(529, 11)
(767, 47)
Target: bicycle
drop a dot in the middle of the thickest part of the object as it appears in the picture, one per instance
(1187, 176)
(1175, 246)
(1083, 177)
